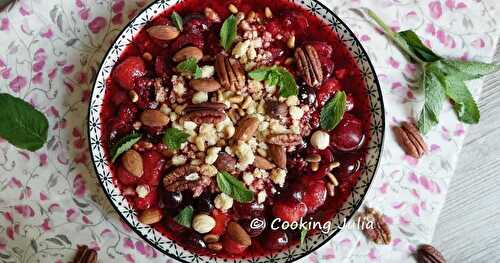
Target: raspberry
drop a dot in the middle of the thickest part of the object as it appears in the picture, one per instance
(314, 195)
(289, 210)
(153, 163)
(129, 71)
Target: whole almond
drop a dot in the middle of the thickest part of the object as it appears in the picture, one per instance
(245, 129)
(262, 163)
(205, 85)
(188, 52)
(154, 118)
(238, 234)
(163, 32)
(217, 246)
(278, 155)
(132, 162)
(151, 216)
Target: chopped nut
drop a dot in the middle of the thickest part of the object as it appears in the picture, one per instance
(314, 158)
(212, 154)
(134, 97)
(178, 160)
(334, 165)
(429, 254)
(223, 202)
(314, 167)
(278, 176)
(212, 15)
(142, 190)
(151, 216)
(320, 140)
(232, 8)
(261, 197)
(200, 97)
(268, 12)
(333, 179)
(203, 223)
(410, 139)
(208, 170)
(330, 188)
(211, 238)
(217, 246)
(147, 56)
(291, 42)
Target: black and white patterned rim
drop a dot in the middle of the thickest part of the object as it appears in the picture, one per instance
(171, 248)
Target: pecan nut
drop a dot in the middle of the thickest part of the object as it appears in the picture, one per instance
(84, 254)
(278, 155)
(245, 129)
(230, 72)
(410, 139)
(376, 229)
(309, 65)
(205, 113)
(186, 177)
(225, 162)
(284, 139)
(429, 254)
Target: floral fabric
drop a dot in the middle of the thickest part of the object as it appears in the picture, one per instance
(50, 200)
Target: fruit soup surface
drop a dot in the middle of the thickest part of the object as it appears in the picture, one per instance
(272, 145)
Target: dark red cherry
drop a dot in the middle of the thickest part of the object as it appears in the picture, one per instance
(253, 230)
(172, 199)
(326, 91)
(348, 135)
(314, 194)
(289, 210)
(204, 204)
(248, 210)
(154, 164)
(194, 240)
(276, 239)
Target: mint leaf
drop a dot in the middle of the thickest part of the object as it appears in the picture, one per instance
(21, 124)
(418, 48)
(276, 76)
(228, 32)
(466, 70)
(434, 97)
(463, 103)
(231, 186)
(190, 65)
(185, 216)
(177, 19)
(123, 145)
(303, 235)
(174, 138)
(333, 112)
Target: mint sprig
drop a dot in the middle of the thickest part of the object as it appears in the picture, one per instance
(123, 145)
(21, 124)
(177, 20)
(441, 78)
(228, 32)
(185, 216)
(333, 112)
(190, 66)
(233, 187)
(174, 138)
(276, 75)
(303, 235)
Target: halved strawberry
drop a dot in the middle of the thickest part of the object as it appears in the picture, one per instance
(221, 220)
(314, 194)
(127, 72)
(153, 163)
(148, 201)
(125, 177)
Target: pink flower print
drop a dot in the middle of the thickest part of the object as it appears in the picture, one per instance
(404, 221)
(5, 73)
(84, 13)
(4, 24)
(129, 258)
(10, 232)
(3, 244)
(410, 160)
(55, 207)
(431, 29)
(43, 196)
(388, 220)
(46, 225)
(413, 178)
(365, 38)
(24, 10)
(38, 78)
(97, 24)
(79, 186)
(48, 33)
(128, 243)
(373, 254)
(107, 233)
(25, 210)
(18, 83)
(8, 217)
(52, 73)
(86, 220)
(398, 205)
(346, 242)
(71, 215)
(383, 188)
(478, 43)
(460, 130)
(117, 7)
(393, 63)
(396, 85)
(79, 3)
(43, 159)
(68, 69)
(461, 5)
(396, 242)
(450, 4)
(117, 19)
(415, 209)
(38, 66)
(435, 9)
(434, 148)
(14, 182)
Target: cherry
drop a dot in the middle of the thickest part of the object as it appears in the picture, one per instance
(153, 163)
(253, 230)
(314, 194)
(231, 246)
(148, 201)
(276, 239)
(204, 204)
(326, 91)
(125, 177)
(349, 103)
(294, 22)
(172, 200)
(194, 239)
(307, 95)
(348, 135)
(127, 72)
(289, 210)
(221, 220)
(296, 191)
(248, 210)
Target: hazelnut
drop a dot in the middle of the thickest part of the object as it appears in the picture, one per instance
(320, 140)
(203, 223)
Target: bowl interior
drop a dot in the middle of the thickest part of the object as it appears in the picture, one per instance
(169, 247)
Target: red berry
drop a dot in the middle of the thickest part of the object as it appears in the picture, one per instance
(221, 220)
(153, 163)
(248, 210)
(289, 210)
(326, 91)
(348, 135)
(125, 177)
(276, 239)
(127, 112)
(148, 201)
(314, 195)
(127, 72)
(231, 246)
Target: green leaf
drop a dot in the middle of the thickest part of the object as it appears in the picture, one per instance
(185, 216)
(417, 47)
(21, 124)
(123, 145)
(177, 19)
(333, 112)
(465, 70)
(463, 103)
(259, 74)
(231, 186)
(228, 32)
(174, 138)
(276, 76)
(434, 97)
(190, 65)
(288, 86)
(303, 235)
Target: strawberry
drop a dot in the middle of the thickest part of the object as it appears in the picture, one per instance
(221, 220)
(148, 201)
(153, 163)
(314, 194)
(289, 210)
(231, 246)
(127, 72)
(125, 177)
